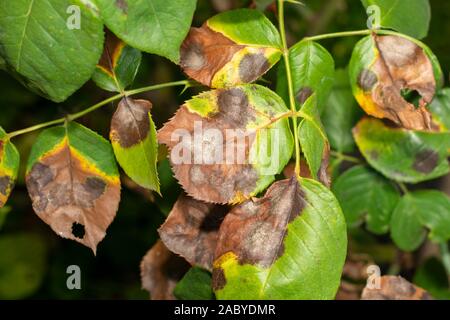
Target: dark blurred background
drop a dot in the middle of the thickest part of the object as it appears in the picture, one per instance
(33, 259)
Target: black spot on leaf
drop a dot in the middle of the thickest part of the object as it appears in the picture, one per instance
(95, 187)
(303, 94)
(218, 279)
(367, 79)
(426, 161)
(5, 182)
(252, 66)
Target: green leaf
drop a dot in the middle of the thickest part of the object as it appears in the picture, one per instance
(40, 48)
(4, 211)
(133, 137)
(417, 212)
(403, 155)
(9, 167)
(231, 48)
(73, 181)
(157, 26)
(227, 145)
(395, 78)
(366, 195)
(440, 109)
(432, 276)
(312, 69)
(291, 244)
(22, 265)
(341, 114)
(411, 17)
(118, 65)
(314, 141)
(195, 285)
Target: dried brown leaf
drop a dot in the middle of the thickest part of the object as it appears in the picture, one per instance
(191, 230)
(395, 288)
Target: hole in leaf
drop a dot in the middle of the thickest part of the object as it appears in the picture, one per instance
(78, 230)
(411, 96)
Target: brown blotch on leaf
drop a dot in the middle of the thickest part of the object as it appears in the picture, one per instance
(130, 123)
(426, 161)
(5, 185)
(367, 79)
(191, 230)
(255, 230)
(109, 56)
(122, 5)
(64, 193)
(210, 180)
(218, 279)
(395, 288)
(160, 272)
(252, 66)
(401, 65)
(204, 52)
(303, 94)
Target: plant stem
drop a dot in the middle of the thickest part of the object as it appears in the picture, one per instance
(345, 157)
(403, 187)
(96, 106)
(340, 35)
(290, 84)
(445, 257)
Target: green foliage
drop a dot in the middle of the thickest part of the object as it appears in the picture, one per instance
(157, 26)
(39, 47)
(411, 17)
(195, 285)
(366, 196)
(419, 212)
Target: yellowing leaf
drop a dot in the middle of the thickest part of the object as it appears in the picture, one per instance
(231, 48)
(227, 145)
(395, 78)
(9, 167)
(133, 137)
(74, 184)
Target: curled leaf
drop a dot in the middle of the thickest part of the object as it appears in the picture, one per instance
(395, 78)
(74, 184)
(395, 288)
(160, 272)
(191, 230)
(231, 48)
(133, 137)
(227, 145)
(9, 167)
(118, 65)
(290, 244)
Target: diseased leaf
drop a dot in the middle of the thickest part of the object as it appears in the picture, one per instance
(160, 272)
(291, 244)
(395, 288)
(341, 113)
(417, 212)
(133, 137)
(118, 65)
(440, 109)
(314, 142)
(227, 145)
(191, 230)
(403, 155)
(156, 26)
(231, 48)
(411, 17)
(74, 183)
(312, 69)
(22, 264)
(9, 167)
(394, 78)
(43, 52)
(366, 195)
(195, 285)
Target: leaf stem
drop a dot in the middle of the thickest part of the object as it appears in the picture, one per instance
(290, 83)
(364, 32)
(96, 106)
(403, 187)
(345, 157)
